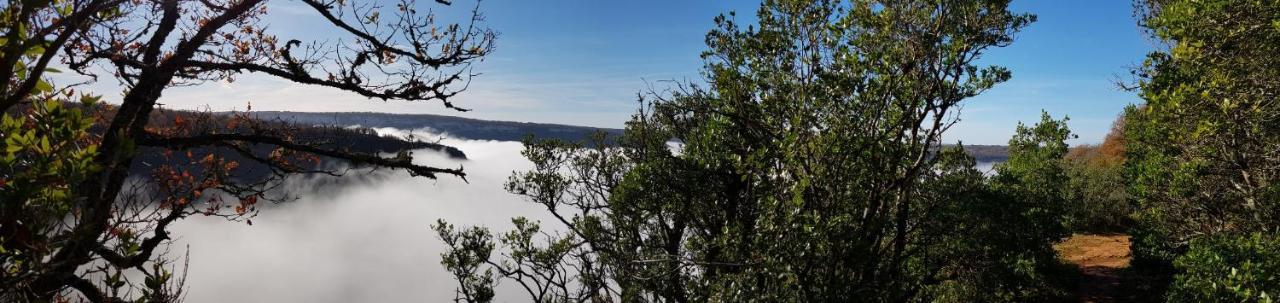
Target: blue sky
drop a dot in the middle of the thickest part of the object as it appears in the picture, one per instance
(583, 62)
(1067, 63)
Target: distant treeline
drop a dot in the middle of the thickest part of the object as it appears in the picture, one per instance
(988, 153)
(338, 137)
(477, 129)
(465, 128)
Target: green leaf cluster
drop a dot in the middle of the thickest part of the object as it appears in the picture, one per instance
(1229, 268)
(807, 170)
(44, 152)
(1201, 154)
(1202, 159)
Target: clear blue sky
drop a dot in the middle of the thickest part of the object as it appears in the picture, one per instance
(583, 62)
(1067, 63)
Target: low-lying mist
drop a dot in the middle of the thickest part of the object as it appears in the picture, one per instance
(366, 241)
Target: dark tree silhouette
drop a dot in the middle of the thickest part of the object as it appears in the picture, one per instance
(112, 225)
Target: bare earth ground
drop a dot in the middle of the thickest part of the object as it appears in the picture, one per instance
(1102, 260)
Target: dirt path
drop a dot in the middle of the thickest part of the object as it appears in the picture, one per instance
(1102, 260)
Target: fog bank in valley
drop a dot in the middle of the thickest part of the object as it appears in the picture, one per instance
(364, 242)
(367, 240)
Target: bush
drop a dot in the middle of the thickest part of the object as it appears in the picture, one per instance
(991, 240)
(981, 248)
(1096, 197)
(1229, 268)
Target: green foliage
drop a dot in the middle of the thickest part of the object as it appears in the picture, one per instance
(991, 239)
(984, 245)
(43, 153)
(1012, 230)
(962, 203)
(473, 247)
(1034, 175)
(1201, 151)
(806, 172)
(1097, 201)
(1229, 268)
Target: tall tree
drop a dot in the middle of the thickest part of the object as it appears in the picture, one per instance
(798, 176)
(1202, 151)
(79, 238)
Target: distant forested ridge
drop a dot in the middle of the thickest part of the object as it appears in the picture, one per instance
(356, 140)
(360, 140)
(465, 128)
(477, 129)
(988, 153)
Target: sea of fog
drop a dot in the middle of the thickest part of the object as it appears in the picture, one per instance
(365, 241)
